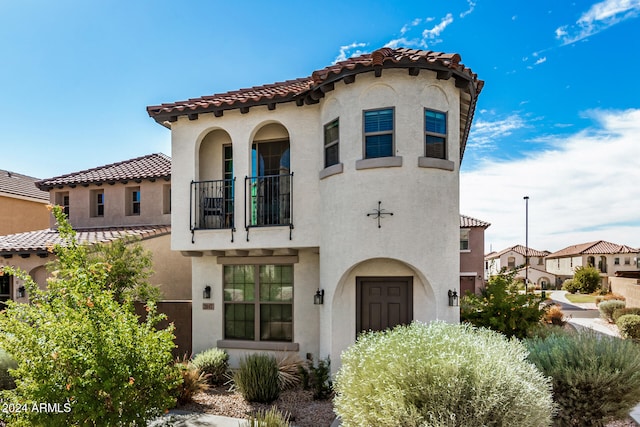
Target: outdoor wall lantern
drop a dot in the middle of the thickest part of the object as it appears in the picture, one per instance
(206, 294)
(21, 292)
(453, 298)
(318, 298)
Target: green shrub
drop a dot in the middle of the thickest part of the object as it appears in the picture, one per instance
(609, 297)
(318, 378)
(622, 311)
(587, 279)
(607, 308)
(270, 418)
(570, 286)
(6, 363)
(257, 378)
(629, 326)
(77, 347)
(440, 375)
(501, 307)
(213, 362)
(595, 378)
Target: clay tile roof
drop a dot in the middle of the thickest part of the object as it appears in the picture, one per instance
(519, 249)
(468, 222)
(308, 90)
(594, 248)
(151, 166)
(15, 184)
(42, 240)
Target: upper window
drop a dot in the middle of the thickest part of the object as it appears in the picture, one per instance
(378, 133)
(616, 261)
(464, 240)
(62, 199)
(627, 260)
(97, 203)
(435, 134)
(5, 289)
(258, 302)
(133, 201)
(511, 262)
(331, 143)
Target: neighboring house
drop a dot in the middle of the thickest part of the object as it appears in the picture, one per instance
(471, 254)
(129, 198)
(320, 207)
(537, 277)
(23, 207)
(513, 258)
(607, 257)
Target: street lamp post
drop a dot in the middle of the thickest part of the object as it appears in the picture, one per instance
(526, 244)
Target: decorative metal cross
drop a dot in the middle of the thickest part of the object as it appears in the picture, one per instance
(378, 213)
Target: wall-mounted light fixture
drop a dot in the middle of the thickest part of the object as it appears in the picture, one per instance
(453, 298)
(318, 298)
(21, 292)
(206, 293)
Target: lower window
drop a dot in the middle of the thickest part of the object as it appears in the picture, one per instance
(258, 302)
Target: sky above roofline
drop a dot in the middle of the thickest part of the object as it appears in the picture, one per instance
(557, 119)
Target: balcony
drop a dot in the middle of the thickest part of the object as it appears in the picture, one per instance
(269, 200)
(212, 204)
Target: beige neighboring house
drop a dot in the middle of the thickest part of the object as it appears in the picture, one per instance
(607, 257)
(513, 258)
(124, 199)
(317, 208)
(471, 254)
(23, 207)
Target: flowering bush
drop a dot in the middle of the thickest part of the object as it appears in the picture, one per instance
(81, 352)
(440, 375)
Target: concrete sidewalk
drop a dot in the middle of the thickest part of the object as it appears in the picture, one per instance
(194, 419)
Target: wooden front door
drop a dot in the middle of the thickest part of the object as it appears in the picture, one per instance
(383, 302)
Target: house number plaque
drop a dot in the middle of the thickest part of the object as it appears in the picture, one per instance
(207, 306)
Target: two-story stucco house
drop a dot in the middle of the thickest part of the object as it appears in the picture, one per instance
(125, 199)
(471, 254)
(607, 257)
(23, 207)
(320, 207)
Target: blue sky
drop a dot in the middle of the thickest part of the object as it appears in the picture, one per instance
(557, 120)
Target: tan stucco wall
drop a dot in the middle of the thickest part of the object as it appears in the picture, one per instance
(172, 270)
(115, 213)
(18, 215)
(472, 260)
(629, 288)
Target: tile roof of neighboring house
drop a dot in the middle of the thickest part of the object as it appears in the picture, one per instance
(152, 166)
(522, 250)
(467, 222)
(42, 240)
(594, 248)
(21, 185)
(309, 90)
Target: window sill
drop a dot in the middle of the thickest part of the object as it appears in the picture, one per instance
(258, 345)
(331, 170)
(431, 162)
(379, 162)
(465, 251)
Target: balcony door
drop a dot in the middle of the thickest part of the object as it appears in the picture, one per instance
(270, 184)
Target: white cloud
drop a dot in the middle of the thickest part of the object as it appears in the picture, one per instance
(433, 33)
(485, 133)
(583, 188)
(348, 51)
(541, 60)
(598, 18)
(472, 6)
